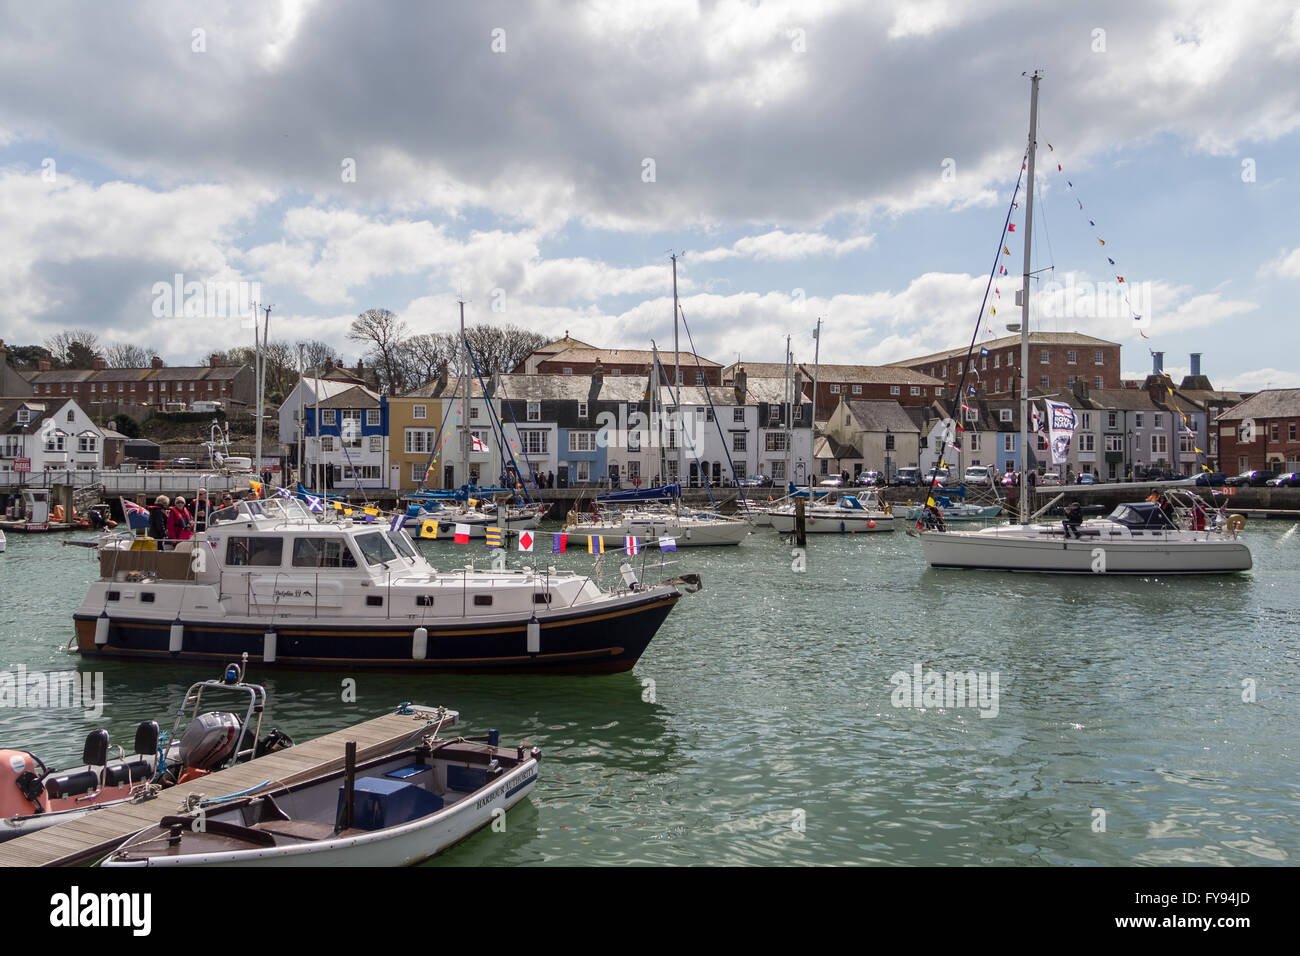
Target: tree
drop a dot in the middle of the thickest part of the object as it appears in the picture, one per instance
(423, 355)
(74, 348)
(127, 355)
(316, 353)
(384, 332)
(501, 348)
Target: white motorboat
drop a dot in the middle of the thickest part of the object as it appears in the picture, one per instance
(957, 510)
(849, 514)
(395, 810)
(270, 579)
(1137, 538)
(33, 797)
(687, 529)
(2, 541)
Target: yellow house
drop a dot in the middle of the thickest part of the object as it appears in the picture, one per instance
(413, 421)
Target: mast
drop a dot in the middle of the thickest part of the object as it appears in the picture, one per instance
(812, 425)
(259, 373)
(789, 408)
(464, 418)
(1024, 305)
(302, 422)
(677, 355)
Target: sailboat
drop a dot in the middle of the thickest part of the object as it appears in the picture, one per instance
(1178, 534)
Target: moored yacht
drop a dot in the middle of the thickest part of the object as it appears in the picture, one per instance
(269, 578)
(849, 514)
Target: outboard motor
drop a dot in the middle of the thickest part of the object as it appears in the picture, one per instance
(20, 789)
(209, 740)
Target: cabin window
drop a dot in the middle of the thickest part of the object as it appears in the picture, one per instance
(114, 595)
(374, 600)
(254, 552)
(401, 544)
(424, 600)
(375, 548)
(147, 597)
(482, 600)
(541, 599)
(322, 553)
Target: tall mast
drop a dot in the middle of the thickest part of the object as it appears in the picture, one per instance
(302, 421)
(677, 355)
(464, 419)
(789, 407)
(1024, 304)
(812, 425)
(259, 370)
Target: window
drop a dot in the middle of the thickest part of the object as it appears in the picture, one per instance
(1098, 357)
(419, 441)
(376, 444)
(582, 441)
(375, 548)
(634, 469)
(1245, 434)
(568, 371)
(895, 390)
(1042, 443)
(1008, 442)
(738, 441)
(327, 443)
(997, 385)
(582, 470)
(738, 415)
(708, 414)
(1114, 442)
(327, 417)
(984, 364)
(582, 409)
(1112, 419)
(1087, 442)
(1042, 381)
(1085, 421)
(889, 441)
(634, 441)
(254, 552)
(857, 389)
(72, 416)
(835, 389)
(974, 442)
(778, 470)
(1187, 443)
(774, 441)
(473, 412)
(916, 389)
(534, 411)
(1096, 382)
(1273, 432)
(86, 443)
(24, 416)
(1071, 357)
(322, 553)
(1290, 431)
(1158, 420)
(1004, 414)
(1137, 420)
(616, 371)
(418, 471)
(55, 441)
(419, 412)
(1069, 381)
(1159, 445)
(699, 377)
(997, 360)
(534, 441)
(350, 428)
(1043, 358)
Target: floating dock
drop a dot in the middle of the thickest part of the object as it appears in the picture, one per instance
(94, 836)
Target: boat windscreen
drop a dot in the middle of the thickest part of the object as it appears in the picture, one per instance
(401, 543)
(375, 548)
(1144, 515)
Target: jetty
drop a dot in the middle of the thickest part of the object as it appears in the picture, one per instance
(92, 837)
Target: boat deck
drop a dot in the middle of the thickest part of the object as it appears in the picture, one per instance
(93, 836)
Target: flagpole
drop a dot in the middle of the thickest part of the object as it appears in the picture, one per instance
(1024, 305)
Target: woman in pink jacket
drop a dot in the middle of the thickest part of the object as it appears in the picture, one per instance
(180, 525)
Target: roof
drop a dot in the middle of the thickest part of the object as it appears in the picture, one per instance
(588, 354)
(311, 386)
(867, 374)
(1270, 403)
(769, 390)
(38, 409)
(827, 447)
(351, 396)
(869, 416)
(576, 388)
(1035, 338)
(65, 375)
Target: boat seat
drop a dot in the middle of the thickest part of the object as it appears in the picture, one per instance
(146, 738)
(95, 752)
(72, 784)
(128, 772)
(305, 830)
(263, 810)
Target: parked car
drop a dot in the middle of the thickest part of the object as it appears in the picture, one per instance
(869, 478)
(1289, 480)
(907, 476)
(182, 463)
(1253, 479)
(1011, 478)
(756, 481)
(1211, 478)
(978, 475)
(1051, 478)
(832, 482)
(1085, 478)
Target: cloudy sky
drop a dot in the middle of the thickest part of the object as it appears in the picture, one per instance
(849, 160)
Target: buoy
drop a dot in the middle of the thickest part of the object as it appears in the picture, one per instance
(101, 630)
(534, 635)
(420, 643)
(871, 524)
(268, 647)
(1236, 522)
(176, 637)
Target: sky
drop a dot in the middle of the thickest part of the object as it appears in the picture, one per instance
(849, 161)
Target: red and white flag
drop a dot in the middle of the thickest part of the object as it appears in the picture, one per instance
(462, 534)
(525, 541)
(630, 545)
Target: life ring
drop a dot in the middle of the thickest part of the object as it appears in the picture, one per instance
(1236, 522)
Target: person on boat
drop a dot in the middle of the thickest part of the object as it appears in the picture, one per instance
(1167, 507)
(201, 508)
(1073, 519)
(1198, 515)
(180, 523)
(934, 518)
(158, 518)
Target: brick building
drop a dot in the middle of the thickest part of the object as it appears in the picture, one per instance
(1262, 432)
(872, 383)
(157, 385)
(1056, 361)
(584, 360)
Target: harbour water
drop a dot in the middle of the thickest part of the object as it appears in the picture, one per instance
(1136, 721)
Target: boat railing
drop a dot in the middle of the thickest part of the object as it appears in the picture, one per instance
(174, 561)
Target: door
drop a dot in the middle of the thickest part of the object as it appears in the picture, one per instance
(449, 476)
(613, 474)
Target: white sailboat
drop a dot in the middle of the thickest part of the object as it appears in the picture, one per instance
(1181, 537)
(848, 514)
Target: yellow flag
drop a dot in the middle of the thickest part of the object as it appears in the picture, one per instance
(338, 506)
(347, 511)
(930, 502)
(428, 528)
(371, 511)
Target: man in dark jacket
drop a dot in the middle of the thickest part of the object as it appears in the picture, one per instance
(158, 518)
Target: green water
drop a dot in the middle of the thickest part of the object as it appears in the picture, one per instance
(769, 735)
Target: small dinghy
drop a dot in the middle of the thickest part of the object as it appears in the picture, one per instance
(394, 810)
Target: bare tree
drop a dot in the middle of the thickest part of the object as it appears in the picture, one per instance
(127, 355)
(423, 355)
(74, 348)
(384, 332)
(316, 353)
(501, 348)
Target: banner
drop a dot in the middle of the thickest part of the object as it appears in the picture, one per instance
(1061, 423)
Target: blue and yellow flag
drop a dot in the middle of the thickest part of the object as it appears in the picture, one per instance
(492, 536)
(595, 544)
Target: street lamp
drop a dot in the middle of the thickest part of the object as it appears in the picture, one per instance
(1128, 471)
(889, 445)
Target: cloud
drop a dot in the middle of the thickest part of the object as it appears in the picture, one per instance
(784, 246)
(1285, 266)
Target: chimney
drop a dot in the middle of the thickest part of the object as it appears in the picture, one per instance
(155, 363)
(598, 375)
(741, 385)
(100, 364)
(43, 365)
(1081, 389)
(1157, 362)
(1196, 363)
(214, 360)
(442, 378)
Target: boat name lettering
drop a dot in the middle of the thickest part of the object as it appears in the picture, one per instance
(503, 788)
